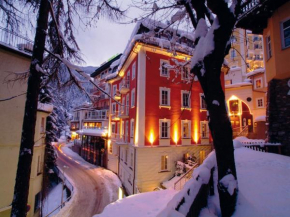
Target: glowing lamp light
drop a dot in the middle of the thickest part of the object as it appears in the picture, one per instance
(195, 136)
(151, 138)
(175, 137)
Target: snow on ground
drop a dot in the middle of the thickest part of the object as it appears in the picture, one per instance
(264, 191)
(141, 205)
(264, 185)
(53, 200)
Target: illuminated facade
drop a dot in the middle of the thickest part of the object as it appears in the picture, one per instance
(157, 117)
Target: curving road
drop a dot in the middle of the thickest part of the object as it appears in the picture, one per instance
(93, 186)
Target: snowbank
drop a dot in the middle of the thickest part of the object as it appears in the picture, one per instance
(255, 72)
(93, 132)
(44, 107)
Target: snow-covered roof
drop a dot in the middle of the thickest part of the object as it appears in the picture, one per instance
(93, 132)
(44, 107)
(260, 118)
(255, 72)
(240, 84)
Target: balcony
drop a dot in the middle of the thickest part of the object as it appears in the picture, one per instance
(76, 118)
(124, 86)
(16, 41)
(97, 115)
(124, 113)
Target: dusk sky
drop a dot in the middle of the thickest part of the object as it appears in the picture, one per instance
(108, 39)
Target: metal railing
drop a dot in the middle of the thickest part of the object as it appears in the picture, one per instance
(178, 185)
(97, 115)
(15, 40)
(240, 131)
(248, 6)
(125, 83)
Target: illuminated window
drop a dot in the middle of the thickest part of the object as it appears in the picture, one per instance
(285, 29)
(185, 129)
(164, 72)
(164, 162)
(260, 103)
(185, 99)
(204, 129)
(164, 96)
(134, 70)
(258, 83)
(234, 106)
(164, 126)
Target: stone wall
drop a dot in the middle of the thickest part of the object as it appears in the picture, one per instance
(278, 113)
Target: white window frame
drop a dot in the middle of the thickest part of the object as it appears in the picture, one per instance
(189, 129)
(207, 130)
(115, 87)
(164, 164)
(133, 71)
(257, 102)
(123, 128)
(257, 79)
(128, 76)
(160, 69)
(168, 128)
(132, 128)
(127, 104)
(183, 72)
(268, 47)
(114, 108)
(189, 99)
(160, 96)
(133, 98)
(282, 33)
(200, 100)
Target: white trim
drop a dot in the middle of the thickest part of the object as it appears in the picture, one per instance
(182, 73)
(207, 130)
(200, 101)
(166, 157)
(160, 96)
(189, 129)
(160, 68)
(168, 128)
(127, 104)
(132, 131)
(257, 103)
(189, 99)
(256, 79)
(282, 33)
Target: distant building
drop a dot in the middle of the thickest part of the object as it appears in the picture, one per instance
(158, 115)
(15, 56)
(245, 85)
(272, 19)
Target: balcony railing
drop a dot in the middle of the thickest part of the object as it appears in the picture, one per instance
(97, 115)
(124, 86)
(12, 39)
(77, 118)
(248, 5)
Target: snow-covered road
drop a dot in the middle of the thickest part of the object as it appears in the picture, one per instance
(94, 187)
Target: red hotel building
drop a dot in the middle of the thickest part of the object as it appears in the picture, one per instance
(158, 116)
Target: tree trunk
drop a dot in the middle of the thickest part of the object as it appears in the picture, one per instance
(21, 190)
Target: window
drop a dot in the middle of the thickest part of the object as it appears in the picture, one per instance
(114, 90)
(134, 70)
(163, 69)
(202, 102)
(118, 128)
(127, 131)
(37, 201)
(204, 129)
(128, 76)
(133, 98)
(113, 108)
(185, 129)
(164, 129)
(260, 103)
(132, 128)
(131, 160)
(285, 27)
(42, 128)
(258, 83)
(127, 104)
(268, 46)
(185, 73)
(111, 148)
(126, 155)
(123, 105)
(185, 99)
(123, 129)
(38, 165)
(164, 162)
(233, 39)
(164, 96)
(233, 53)
(113, 128)
(228, 82)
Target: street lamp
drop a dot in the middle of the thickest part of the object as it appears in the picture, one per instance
(64, 167)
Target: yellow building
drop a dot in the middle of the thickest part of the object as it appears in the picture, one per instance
(245, 84)
(272, 19)
(11, 117)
